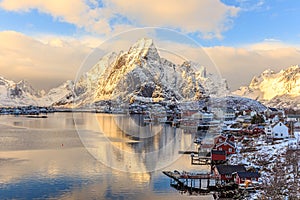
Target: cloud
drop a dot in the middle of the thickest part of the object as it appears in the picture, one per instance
(252, 5)
(69, 10)
(47, 61)
(239, 65)
(268, 44)
(208, 18)
(45, 64)
(77, 12)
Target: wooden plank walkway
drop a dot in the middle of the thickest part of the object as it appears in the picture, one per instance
(204, 182)
(200, 160)
(177, 176)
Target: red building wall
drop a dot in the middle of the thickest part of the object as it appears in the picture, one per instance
(225, 147)
(227, 177)
(218, 157)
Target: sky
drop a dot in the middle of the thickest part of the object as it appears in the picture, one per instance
(47, 42)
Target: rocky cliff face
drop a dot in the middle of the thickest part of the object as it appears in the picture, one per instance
(20, 94)
(141, 74)
(280, 89)
(137, 74)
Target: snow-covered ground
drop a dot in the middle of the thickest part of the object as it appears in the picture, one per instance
(275, 163)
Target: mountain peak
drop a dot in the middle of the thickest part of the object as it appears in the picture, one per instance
(145, 48)
(274, 87)
(293, 68)
(267, 72)
(143, 43)
(139, 74)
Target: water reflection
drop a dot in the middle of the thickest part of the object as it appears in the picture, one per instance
(57, 121)
(44, 158)
(125, 143)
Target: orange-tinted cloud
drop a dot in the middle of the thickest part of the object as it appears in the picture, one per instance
(49, 60)
(44, 65)
(209, 18)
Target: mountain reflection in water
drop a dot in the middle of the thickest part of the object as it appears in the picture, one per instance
(45, 158)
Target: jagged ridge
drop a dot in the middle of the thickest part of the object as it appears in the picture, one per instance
(280, 89)
(140, 73)
(137, 74)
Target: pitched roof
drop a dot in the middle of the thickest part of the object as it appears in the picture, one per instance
(228, 142)
(273, 109)
(248, 174)
(229, 169)
(217, 152)
(273, 125)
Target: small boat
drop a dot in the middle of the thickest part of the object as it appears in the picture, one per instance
(37, 116)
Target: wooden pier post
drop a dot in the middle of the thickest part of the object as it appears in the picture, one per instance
(200, 180)
(192, 158)
(208, 183)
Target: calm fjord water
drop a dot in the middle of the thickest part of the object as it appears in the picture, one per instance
(90, 156)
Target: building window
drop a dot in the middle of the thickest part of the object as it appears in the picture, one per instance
(230, 150)
(281, 134)
(276, 134)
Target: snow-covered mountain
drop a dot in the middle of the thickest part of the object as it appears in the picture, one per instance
(23, 94)
(238, 103)
(17, 94)
(137, 74)
(58, 96)
(280, 89)
(141, 74)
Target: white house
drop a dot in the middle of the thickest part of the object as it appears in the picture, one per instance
(207, 117)
(204, 116)
(268, 131)
(228, 114)
(280, 131)
(243, 118)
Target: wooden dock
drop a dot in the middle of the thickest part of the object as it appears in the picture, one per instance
(187, 152)
(201, 183)
(178, 176)
(200, 160)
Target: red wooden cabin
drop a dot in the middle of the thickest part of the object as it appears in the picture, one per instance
(241, 177)
(225, 172)
(226, 146)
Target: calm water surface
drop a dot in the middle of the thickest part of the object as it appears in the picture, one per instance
(90, 156)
